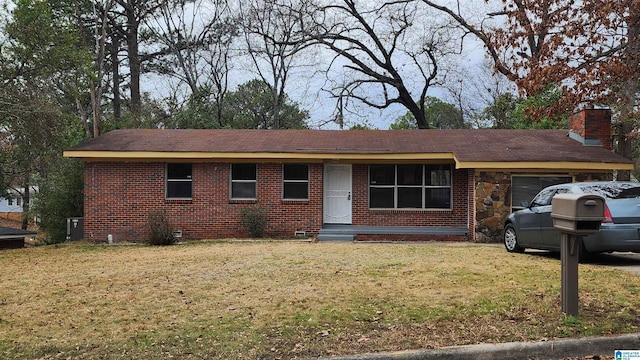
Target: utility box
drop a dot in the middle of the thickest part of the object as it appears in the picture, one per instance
(577, 214)
(75, 229)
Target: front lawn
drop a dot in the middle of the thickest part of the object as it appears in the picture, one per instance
(280, 299)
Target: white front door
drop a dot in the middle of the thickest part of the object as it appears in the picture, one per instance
(337, 194)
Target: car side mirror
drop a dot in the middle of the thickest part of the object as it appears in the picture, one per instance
(525, 204)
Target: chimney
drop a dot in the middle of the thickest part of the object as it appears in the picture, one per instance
(591, 127)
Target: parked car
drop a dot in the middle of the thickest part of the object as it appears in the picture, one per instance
(532, 227)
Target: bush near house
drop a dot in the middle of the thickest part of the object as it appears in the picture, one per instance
(160, 230)
(254, 220)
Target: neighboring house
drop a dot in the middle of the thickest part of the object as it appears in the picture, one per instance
(363, 185)
(13, 203)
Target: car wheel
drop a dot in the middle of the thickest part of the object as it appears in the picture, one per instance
(511, 239)
(584, 256)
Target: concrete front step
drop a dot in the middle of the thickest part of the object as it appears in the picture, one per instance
(335, 237)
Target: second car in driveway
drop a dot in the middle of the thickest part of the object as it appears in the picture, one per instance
(532, 227)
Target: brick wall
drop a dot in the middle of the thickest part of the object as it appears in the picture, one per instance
(119, 196)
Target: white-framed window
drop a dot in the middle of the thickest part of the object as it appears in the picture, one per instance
(525, 187)
(412, 186)
(179, 181)
(295, 181)
(243, 181)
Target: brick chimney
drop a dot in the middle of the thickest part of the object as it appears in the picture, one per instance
(591, 127)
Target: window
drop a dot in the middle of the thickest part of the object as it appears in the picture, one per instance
(295, 182)
(524, 188)
(178, 181)
(243, 181)
(10, 201)
(410, 186)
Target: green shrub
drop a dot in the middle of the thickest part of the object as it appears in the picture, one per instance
(160, 231)
(254, 220)
(60, 196)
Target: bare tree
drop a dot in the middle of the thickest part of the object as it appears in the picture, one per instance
(197, 37)
(270, 28)
(97, 81)
(391, 55)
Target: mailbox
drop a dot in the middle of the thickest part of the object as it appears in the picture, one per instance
(577, 214)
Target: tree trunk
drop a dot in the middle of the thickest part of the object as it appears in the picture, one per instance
(26, 197)
(416, 111)
(134, 62)
(115, 70)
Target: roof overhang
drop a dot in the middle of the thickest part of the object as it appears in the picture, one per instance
(544, 166)
(9, 233)
(94, 156)
(320, 157)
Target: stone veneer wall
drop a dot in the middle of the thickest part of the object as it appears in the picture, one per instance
(493, 200)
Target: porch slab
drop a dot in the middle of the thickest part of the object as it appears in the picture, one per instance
(331, 232)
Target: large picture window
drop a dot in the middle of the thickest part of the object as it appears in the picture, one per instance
(525, 187)
(410, 186)
(295, 182)
(243, 181)
(179, 181)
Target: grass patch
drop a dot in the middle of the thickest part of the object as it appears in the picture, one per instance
(291, 299)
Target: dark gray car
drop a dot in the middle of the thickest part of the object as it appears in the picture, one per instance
(532, 227)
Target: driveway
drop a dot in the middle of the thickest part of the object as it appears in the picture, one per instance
(624, 261)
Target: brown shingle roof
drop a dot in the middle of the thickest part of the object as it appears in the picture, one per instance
(467, 145)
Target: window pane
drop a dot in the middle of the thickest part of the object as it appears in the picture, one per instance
(437, 198)
(296, 172)
(243, 190)
(438, 175)
(410, 174)
(382, 174)
(243, 172)
(179, 189)
(381, 198)
(410, 197)
(297, 190)
(524, 188)
(178, 171)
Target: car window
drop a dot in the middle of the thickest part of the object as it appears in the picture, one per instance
(543, 198)
(613, 190)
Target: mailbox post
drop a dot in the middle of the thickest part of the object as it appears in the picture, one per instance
(574, 215)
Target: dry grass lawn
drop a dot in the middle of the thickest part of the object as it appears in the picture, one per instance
(280, 299)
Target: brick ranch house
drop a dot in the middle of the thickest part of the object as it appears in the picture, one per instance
(363, 185)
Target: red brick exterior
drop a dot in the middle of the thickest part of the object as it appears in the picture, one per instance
(592, 124)
(120, 195)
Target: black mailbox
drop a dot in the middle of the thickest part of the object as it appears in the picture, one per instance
(577, 214)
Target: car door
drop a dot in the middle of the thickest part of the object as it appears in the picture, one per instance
(549, 235)
(530, 222)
